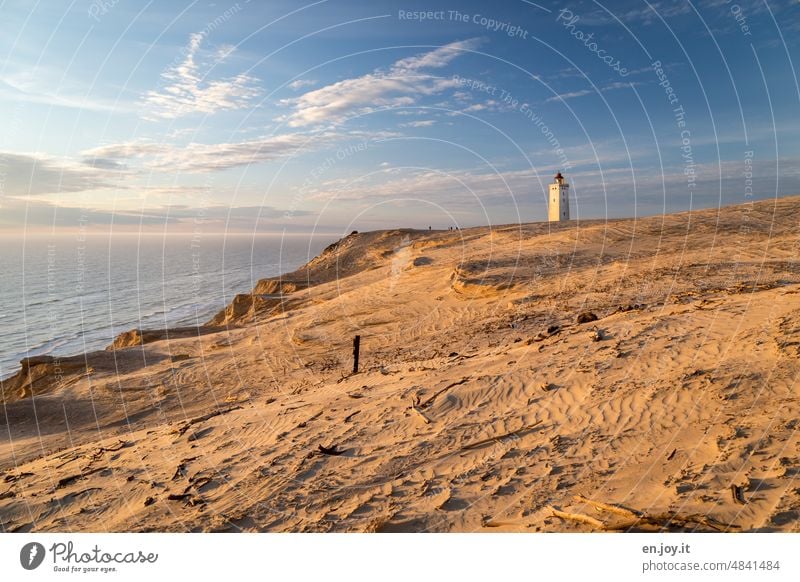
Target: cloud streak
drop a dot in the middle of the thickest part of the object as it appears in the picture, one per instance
(582, 92)
(203, 158)
(187, 90)
(36, 175)
(402, 85)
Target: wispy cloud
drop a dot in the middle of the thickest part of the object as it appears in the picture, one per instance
(301, 83)
(656, 10)
(421, 123)
(202, 157)
(38, 174)
(402, 85)
(33, 88)
(570, 95)
(458, 188)
(621, 85)
(646, 15)
(582, 92)
(189, 90)
(489, 105)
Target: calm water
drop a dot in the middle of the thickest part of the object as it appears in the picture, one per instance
(60, 295)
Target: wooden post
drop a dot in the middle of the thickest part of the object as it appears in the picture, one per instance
(356, 346)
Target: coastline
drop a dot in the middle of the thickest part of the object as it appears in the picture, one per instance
(486, 397)
(89, 290)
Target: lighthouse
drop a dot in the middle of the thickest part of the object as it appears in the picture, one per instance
(558, 206)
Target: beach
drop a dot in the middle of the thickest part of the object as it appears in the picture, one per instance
(620, 375)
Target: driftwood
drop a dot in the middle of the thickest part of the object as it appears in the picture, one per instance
(579, 517)
(72, 478)
(639, 520)
(186, 425)
(428, 401)
(93, 456)
(117, 447)
(480, 443)
(75, 456)
(624, 511)
(332, 450)
(421, 414)
(349, 417)
(672, 454)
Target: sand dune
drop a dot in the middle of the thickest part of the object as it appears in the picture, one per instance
(481, 403)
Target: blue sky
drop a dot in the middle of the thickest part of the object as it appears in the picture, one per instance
(338, 115)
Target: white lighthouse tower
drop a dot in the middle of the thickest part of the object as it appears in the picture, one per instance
(558, 207)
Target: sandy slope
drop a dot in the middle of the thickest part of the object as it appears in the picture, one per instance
(688, 388)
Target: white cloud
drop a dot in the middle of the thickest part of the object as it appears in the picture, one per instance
(582, 92)
(421, 123)
(475, 107)
(570, 95)
(189, 91)
(437, 58)
(400, 86)
(201, 157)
(301, 83)
(620, 85)
(489, 105)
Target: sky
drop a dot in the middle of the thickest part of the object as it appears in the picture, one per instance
(340, 115)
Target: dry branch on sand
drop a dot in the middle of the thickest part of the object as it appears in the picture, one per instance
(421, 414)
(428, 401)
(637, 520)
(480, 443)
(579, 517)
(96, 454)
(619, 510)
(64, 481)
(186, 425)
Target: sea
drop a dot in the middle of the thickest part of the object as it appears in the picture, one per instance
(69, 294)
